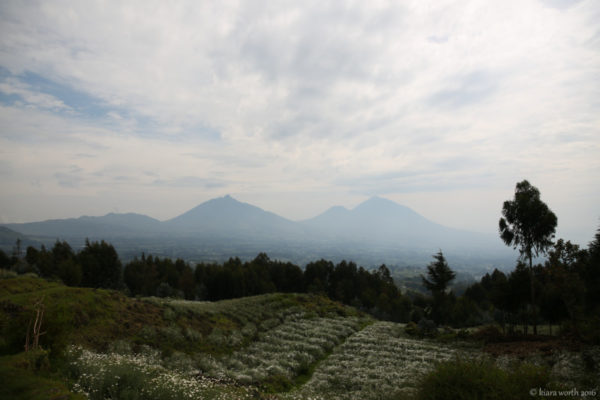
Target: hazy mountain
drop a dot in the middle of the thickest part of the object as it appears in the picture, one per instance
(374, 232)
(376, 219)
(384, 221)
(110, 225)
(8, 239)
(227, 217)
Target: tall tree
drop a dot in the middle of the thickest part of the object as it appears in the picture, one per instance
(528, 224)
(439, 276)
(591, 274)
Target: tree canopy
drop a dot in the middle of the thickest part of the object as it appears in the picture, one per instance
(439, 275)
(527, 222)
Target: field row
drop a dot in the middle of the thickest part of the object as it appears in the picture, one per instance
(286, 350)
(376, 363)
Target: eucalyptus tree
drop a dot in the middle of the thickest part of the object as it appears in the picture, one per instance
(528, 224)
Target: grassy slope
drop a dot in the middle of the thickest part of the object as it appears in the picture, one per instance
(89, 317)
(97, 318)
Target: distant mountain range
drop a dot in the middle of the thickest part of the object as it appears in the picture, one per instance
(377, 230)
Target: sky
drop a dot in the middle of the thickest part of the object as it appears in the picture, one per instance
(155, 107)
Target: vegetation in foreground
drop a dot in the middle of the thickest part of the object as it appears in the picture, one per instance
(287, 346)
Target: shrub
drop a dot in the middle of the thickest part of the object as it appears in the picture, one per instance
(425, 328)
(489, 334)
(481, 379)
(411, 328)
(7, 274)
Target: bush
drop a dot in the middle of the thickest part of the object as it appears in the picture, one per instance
(7, 274)
(489, 334)
(411, 328)
(425, 328)
(481, 379)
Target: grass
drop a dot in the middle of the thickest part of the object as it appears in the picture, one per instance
(27, 376)
(89, 317)
(94, 318)
(466, 379)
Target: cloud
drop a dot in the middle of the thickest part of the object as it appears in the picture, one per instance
(191, 181)
(561, 4)
(279, 97)
(15, 91)
(474, 88)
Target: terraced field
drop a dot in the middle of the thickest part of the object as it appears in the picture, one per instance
(287, 350)
(375, 363)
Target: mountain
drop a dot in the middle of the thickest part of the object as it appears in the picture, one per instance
(384, 221)
(8, 239)
(374, 232)
(227, 217)
(107, 226)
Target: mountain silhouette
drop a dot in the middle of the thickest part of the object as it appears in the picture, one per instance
(226, 216)
(377, 230)
(383, 221)
(109, 225)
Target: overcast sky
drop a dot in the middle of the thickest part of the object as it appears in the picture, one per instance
(155, 107)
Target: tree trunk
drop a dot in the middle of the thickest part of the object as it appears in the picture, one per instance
(532, 295)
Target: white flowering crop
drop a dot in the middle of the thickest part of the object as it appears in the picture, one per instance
(287, 349)
(377, 362)
(116, 376)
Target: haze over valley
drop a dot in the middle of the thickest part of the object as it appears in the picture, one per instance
(374, 232)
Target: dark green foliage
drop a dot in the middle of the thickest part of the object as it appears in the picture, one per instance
(153, 276)
(276, 384)
(528, 224)
(100, 265)
(372, 291)
(439, 275)
(591, 275)
(69, 271)
(317, 276)
(563, 289)
(481, 379)
(27, 376)
(4, 260)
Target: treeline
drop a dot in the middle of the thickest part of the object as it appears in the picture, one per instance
(97, 265)
(567, 287)
(567, 284)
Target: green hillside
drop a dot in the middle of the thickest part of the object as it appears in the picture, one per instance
(79, 322)
(101, 344)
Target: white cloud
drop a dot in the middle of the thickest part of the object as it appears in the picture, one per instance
(315, 98)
